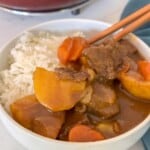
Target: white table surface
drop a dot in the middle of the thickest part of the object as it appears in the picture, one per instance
(10, 25)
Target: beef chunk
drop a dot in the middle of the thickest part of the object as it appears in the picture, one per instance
(70, 74)
(103, 101)
(107, 57)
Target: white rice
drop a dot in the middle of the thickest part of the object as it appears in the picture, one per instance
(31, 50)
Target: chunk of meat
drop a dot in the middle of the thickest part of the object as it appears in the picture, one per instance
(107, 57)
(55, 93)
(128, 64)
(31, 114)
(70, 74)
(103, 101)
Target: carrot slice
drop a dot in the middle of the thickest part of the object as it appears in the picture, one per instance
(64, 50)
(71, 49)
(144, 69)
(79, 44)
(84, 133)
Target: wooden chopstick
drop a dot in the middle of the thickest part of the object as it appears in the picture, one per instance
(133, 26)
(121, 24)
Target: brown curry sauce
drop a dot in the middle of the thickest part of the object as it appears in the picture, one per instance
(132, 111)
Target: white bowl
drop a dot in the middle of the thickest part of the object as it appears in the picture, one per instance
(36, 142)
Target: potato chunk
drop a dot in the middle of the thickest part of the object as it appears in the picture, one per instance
(25, 109)
(135, 85)
(32, 115)
(109, 128)
(55, 93)
(48, 126)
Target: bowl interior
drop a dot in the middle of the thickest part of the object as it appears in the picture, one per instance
(89, 27)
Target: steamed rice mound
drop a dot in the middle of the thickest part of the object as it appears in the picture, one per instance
(30, 51)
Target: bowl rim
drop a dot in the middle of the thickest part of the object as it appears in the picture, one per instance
(46, 139)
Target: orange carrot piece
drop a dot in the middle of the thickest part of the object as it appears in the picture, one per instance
(79, 44)
(64, 50)
(83, 133)
(71, 49)
(144, 69)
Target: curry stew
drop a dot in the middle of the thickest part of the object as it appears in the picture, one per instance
(96, 97)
